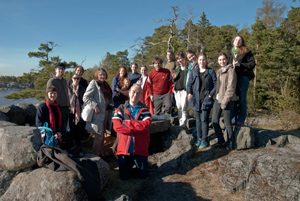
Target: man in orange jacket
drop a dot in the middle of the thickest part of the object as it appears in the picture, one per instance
(131, 121)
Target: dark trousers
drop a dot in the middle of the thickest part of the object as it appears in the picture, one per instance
(159, 100)
(65, 116)
(126, 163)
(216, 114)
(75, 130)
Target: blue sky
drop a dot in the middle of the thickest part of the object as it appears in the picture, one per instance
(88, 29)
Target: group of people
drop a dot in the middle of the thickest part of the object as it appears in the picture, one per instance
(133, 98)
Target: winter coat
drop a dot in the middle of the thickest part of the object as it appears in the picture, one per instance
(94, 97)
(226, 85)
(125, 126)
(194, 86)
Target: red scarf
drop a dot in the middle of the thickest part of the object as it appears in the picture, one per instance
(52, 117)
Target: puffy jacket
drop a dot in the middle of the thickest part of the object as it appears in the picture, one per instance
(194, 86)
(125, 126)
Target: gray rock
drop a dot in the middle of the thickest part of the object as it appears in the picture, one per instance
(122, 198)
(30, 111)
(6, 123)
(19, 147)
(176, 156)
(45, 184)
(159, 126)
(3, 116)
(5, 178)
(14, 113)
(264, 174)
(262, 137)
(244, 137)
(103, 168)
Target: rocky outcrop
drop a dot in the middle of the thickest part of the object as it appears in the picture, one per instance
(159, 126)
(3, 116)
(45, 184)
(5, 178)
(30, 111)
(176, 156)
(244, 137)
(264, 174)
(14, 113)
(19, 146)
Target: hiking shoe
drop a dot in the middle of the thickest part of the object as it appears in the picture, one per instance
(203, 145)
(197, 143)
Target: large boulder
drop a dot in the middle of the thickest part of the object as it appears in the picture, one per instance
(244, 137)
(30, 111)
(103, 168)
(6, 123)
(14, 113)
(3, 116)
(264, 174)
(5, 178)
(176, 156)
(45, 184)
(19, 147)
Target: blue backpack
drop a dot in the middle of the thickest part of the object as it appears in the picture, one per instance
(47, 135)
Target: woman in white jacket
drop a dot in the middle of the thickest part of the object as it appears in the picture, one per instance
(99, 96)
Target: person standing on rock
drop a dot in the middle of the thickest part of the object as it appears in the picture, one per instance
(226, 86)
(131, 121)
(62, 91)
(160, 87)
(201, 88)
(243, 62)
(134, 76)
(79, 70)
(179, 76)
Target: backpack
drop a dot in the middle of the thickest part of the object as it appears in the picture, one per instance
(47, 135)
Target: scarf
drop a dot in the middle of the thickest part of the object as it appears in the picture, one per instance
(106, 90)
(74, 103)
(235, 51)
(52, 117)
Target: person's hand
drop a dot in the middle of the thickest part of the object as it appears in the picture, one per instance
(237, 63)
(190, 96)
(173, 74)
(118, 90)
(97, 110)
(151, 98)
(57, 136)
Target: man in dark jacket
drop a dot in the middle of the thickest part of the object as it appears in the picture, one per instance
(131, 121)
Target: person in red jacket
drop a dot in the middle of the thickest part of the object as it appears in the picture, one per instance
(131, 121)
(160, 87)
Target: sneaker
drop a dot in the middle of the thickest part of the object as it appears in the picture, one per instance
(197, 143)
(203, 145)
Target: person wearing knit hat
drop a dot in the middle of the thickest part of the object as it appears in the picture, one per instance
(62, 90)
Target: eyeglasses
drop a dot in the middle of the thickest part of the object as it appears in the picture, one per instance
(76, 78)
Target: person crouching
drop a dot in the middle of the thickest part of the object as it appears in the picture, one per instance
(131, 121)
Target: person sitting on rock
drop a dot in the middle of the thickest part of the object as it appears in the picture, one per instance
(50, 112)
(131, 121)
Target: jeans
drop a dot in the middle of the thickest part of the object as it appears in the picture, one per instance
(159, 100)
(216, 114)
(240, 110)
(202, 124)
(126, 163)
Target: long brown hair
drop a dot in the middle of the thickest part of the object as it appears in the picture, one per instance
(98, 71)
(243, 49)
(50, 89)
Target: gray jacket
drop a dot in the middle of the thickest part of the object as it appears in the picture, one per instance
(94, 97)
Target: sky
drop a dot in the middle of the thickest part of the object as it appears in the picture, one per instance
(88, 29)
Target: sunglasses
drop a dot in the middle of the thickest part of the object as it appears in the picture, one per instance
(76, 78)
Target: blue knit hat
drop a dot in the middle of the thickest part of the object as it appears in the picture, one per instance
(60, 65)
